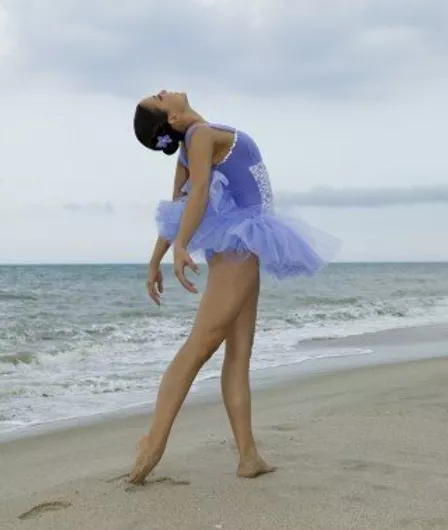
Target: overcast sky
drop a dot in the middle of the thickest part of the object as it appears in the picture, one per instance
(347, 99)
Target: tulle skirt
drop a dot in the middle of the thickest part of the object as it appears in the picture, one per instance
(285, 247)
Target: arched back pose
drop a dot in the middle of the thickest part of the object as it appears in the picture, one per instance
(223, 206)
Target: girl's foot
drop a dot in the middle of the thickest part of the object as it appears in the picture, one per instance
(146, 461)
(253, 467)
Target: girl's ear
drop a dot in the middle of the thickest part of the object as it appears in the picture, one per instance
(173, 118)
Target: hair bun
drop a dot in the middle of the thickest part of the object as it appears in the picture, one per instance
(171, 148)
(152, 130)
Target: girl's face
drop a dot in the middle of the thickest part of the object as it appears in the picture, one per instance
(169, 102)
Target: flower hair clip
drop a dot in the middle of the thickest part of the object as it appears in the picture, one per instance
(163, 141)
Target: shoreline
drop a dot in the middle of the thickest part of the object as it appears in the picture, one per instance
(360, 448)
(399, 345)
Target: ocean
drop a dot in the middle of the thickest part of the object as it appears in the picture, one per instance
(81, 340)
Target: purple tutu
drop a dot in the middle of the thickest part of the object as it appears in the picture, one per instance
(285, 247)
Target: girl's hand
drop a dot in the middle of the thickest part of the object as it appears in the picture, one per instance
(154, 283)
(181, 260)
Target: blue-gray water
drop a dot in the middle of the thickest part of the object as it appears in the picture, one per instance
(78, 340)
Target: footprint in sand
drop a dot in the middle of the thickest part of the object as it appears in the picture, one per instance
(284, 427)
(116, 479)
(361, 465)
(160, 480)
(43, 508)
(172, 481)
(435, 523)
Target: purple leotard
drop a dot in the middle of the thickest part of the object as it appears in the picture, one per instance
(240, 216)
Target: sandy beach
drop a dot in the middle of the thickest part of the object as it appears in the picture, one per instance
(364, 448)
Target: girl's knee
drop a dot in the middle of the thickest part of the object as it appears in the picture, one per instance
(206, 343)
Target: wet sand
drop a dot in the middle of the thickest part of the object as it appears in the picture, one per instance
(364, 449)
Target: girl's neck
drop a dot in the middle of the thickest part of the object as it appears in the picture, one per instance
(193, 118)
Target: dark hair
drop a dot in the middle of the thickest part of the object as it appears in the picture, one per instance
(151, 127)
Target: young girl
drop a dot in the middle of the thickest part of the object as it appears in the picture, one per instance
(223, 206)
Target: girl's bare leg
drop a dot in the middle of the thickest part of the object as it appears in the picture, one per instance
(229, 285)
(235, 385)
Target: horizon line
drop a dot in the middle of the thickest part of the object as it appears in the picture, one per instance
(100, 263)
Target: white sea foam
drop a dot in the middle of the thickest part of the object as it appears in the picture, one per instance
(104, 348)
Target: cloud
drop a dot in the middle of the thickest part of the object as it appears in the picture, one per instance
(322, 197)
(90, 208)
(262, 47)
(365, 198)
(336, 94)
(5, 37)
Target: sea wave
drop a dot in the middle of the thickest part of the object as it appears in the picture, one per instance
(14, 296)
(93, 343)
